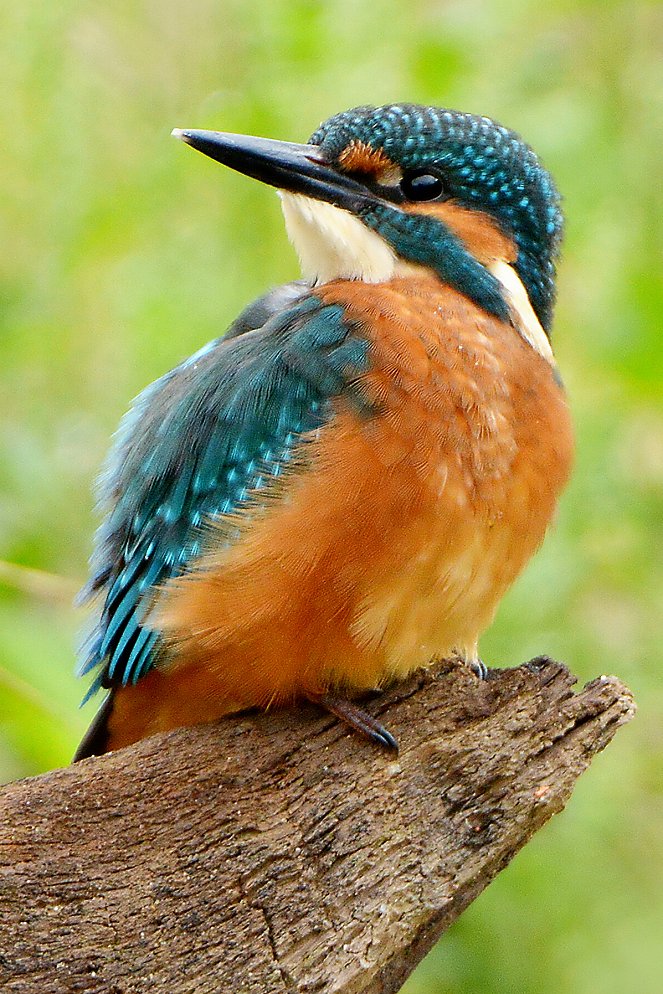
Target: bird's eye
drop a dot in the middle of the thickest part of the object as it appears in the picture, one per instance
(422, 186)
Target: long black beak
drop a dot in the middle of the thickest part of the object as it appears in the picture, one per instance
(296, 168)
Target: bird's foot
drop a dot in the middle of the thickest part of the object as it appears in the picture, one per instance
(478, 667)
(353, 716)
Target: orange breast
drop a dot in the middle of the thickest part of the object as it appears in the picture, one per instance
(397, 540)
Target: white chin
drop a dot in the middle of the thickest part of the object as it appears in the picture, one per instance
(333, 244)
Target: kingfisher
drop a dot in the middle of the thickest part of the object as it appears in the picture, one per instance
(341, 488)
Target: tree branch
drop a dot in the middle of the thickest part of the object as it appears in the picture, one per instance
(280, 853)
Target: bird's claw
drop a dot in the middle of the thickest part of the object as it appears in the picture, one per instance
(357, 719)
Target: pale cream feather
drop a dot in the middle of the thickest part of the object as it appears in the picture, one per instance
(526, 320)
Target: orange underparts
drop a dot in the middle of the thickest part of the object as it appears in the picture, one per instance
(394, 543)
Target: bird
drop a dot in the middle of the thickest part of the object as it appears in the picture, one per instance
(341, 488)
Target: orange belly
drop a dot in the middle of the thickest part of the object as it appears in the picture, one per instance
(394, 543)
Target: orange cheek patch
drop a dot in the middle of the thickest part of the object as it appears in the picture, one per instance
(481, 235)
(358, 157)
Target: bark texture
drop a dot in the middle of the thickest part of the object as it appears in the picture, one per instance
(281, 853)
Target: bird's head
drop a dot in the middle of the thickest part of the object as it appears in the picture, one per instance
(380, 190)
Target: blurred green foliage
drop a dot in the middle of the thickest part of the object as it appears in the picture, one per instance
(123, 253)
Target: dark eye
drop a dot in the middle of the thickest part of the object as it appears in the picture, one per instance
(422, 186)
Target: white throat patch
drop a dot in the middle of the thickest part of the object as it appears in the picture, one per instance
(333, 244)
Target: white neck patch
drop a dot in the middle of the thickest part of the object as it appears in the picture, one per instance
(334, 244)
(522, 312)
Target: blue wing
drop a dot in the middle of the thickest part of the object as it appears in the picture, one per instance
(196, 444)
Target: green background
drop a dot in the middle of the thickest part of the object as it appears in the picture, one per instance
(123, 252)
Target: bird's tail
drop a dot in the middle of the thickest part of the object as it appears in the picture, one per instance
(95, 740)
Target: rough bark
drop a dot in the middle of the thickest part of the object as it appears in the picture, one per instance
(281, 853)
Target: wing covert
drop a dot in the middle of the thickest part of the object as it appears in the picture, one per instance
(196, 443)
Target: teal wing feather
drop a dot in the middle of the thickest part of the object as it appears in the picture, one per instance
(220, 427)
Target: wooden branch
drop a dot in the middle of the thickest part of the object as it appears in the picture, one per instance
(280, 853)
